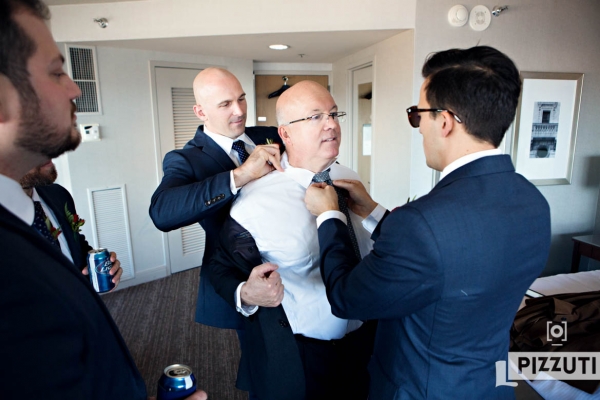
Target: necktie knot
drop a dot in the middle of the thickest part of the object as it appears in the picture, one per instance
(323, 176)
(240, 147)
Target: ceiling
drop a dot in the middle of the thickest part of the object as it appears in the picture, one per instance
(309, 47)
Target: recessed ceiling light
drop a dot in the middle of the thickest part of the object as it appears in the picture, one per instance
(279, 46)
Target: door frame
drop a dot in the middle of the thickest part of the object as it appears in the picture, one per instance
(152, 65)
(292, 72)
(350, 93)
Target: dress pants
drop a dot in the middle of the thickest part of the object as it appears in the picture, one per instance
(337, 369)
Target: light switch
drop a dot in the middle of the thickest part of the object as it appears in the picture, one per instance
(89, 132)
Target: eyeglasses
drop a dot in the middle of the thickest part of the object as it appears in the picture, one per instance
(415, 119)
(317, 119)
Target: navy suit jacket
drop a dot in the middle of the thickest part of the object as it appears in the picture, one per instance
(56, 197)
(270, 365)
(57, 339)
(195, 188)
(445, 279)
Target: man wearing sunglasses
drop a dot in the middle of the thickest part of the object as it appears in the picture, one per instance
(447, 271)
(295, 348)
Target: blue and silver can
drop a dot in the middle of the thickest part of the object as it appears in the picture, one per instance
(177, 382)
(99, 265)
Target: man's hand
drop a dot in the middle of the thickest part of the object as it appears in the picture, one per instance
(263, 287)
(116, 271)
(321, 197)
(264, 159)
(359, 200)
(199, 395)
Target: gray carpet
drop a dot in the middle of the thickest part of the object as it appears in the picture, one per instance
(156, 320)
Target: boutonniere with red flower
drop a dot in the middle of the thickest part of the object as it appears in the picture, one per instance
(270, 141)
(53, 231)
(74, 220)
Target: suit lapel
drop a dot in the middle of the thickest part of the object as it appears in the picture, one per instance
(210, 148)
(18, 227)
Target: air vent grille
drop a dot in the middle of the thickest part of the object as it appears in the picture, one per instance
(83, 71)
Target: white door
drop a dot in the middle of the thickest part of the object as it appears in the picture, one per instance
(362, 94)
(177, 124)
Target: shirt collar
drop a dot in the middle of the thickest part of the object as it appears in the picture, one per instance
(226, 142)
(464, 160)
(14, 199)
(302, 176)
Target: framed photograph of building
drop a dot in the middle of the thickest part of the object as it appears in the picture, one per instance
(545, 129)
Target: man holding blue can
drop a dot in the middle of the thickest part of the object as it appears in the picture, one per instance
(61, 220)
(57, 339)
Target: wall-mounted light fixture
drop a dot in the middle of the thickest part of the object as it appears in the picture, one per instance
(103, 22)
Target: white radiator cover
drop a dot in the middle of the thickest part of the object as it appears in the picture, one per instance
(110, 225)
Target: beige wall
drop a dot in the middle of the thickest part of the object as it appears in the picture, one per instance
(393, 63)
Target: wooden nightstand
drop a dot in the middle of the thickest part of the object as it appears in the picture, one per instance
(588, 246)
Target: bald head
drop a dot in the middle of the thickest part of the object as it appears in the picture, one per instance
(210, 79)
(220, 102)
(296, 98)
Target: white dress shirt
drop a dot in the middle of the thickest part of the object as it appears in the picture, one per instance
(14, 199)
(272, 209)
(226, 143)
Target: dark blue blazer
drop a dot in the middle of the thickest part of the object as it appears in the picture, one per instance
(57, 339)
(445, 279)
(195, 188)
(57, 197)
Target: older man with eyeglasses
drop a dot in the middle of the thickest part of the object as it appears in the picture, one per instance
(296, 348)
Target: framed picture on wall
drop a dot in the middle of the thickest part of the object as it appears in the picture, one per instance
(545, 128)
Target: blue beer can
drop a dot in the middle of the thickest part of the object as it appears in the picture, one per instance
(99, 265)
(177, 382)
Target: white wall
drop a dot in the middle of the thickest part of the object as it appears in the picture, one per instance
(540, 36)
(185, 18)
(393, 62)
(127, 153)
(533, 32)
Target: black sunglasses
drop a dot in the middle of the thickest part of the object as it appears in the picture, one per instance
(415, 119)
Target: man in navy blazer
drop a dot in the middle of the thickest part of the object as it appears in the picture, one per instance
(201, 180)
(57, 338)
(447, 272)
(39, 185)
